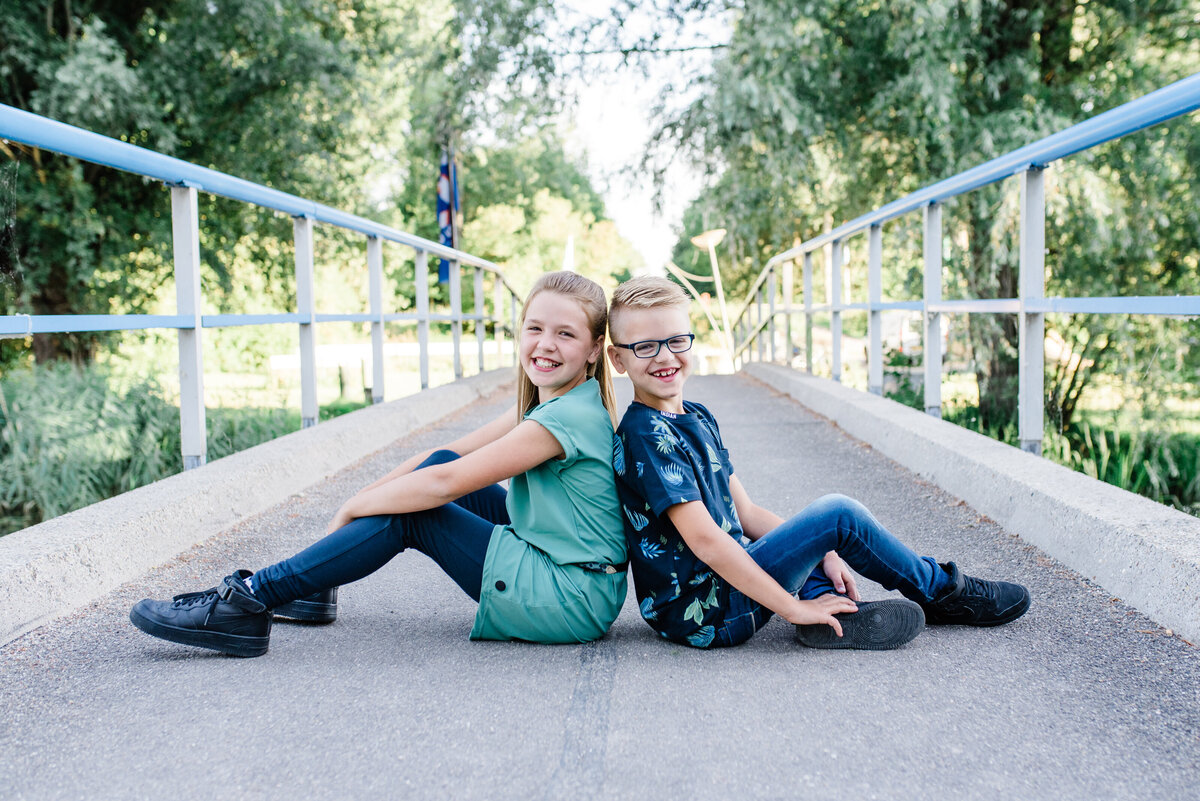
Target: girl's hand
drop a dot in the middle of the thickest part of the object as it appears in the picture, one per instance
(839, 573)
(340, 518)
(822, 610)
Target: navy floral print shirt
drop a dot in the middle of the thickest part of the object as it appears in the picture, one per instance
(662, 459)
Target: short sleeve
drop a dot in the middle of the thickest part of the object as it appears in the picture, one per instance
(557, 418)
(657, 467)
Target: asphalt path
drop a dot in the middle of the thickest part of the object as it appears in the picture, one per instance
(1083, 698)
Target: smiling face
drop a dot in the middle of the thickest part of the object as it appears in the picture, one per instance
(658, 381)
(556, 344)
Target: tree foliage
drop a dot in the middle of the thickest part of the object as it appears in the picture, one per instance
(821, 111)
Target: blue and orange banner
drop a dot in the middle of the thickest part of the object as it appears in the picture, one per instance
(447, 210)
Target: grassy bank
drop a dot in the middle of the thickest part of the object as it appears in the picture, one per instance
(71, 437)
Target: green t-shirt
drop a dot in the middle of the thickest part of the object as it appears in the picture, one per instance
(564, 512)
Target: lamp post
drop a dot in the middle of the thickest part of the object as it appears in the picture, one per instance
(709, 241)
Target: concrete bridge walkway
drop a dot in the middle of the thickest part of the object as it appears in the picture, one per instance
(1082, 698)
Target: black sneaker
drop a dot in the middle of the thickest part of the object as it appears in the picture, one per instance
(320, 607)
(226, 618)
(974, 602)
(876, 626)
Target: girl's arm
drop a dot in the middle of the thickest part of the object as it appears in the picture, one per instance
(524, 447)
(731, 562)
(468, 443)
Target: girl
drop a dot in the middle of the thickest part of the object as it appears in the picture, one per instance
(547, 571)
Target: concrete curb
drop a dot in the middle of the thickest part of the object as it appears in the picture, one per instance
(1143, 552)
(54, 567)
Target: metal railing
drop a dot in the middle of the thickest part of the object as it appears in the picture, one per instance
(185, 181)
(1031, 304)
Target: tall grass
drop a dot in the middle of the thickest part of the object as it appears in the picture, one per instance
(71, 437)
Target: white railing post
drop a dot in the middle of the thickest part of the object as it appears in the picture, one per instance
(772, 290)
(837, 251)
(302, 228)
(1032, 286)
(512, 313)
(497, 306)
(480, 324)
(421, 282)
(375, 273)
(875, 315)
(808, 290)
(789, 288)
(758, 323)
(456, 315)
(933, 321)
(185, 237)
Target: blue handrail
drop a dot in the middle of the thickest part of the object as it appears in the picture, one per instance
(1173, 100)
(30, 129)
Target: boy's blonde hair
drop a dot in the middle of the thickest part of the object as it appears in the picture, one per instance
(590, 297)
(645, 292)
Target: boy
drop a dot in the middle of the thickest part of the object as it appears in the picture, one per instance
(686, 514)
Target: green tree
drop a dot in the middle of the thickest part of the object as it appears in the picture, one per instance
(821, 111)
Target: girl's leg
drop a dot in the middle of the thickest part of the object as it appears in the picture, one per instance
(456, 536)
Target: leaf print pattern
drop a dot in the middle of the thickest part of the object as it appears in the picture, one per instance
(713, 459)
(618, 455)
(703, 637)
(664, 439)
(636, 519)
(651, 550)
(671, 474)
(648, 608)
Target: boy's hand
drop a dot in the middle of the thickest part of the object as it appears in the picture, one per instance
(839, 573)
(822, 610)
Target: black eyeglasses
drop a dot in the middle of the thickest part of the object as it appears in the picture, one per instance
(649, 348)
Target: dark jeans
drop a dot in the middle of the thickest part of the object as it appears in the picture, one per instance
(455, 536)
(791, 551)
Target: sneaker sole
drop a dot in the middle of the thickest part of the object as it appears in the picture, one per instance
(232, 644)
(876, 626)
(307, 612)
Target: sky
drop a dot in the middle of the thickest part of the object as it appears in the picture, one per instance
(609, 127)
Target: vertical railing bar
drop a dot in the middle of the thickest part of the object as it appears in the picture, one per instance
(1032, 286)
(772, 290)
(456, 315)
(758, 323)
(789, 289)
(512, 314)
(480, 323)
(375, 277)
(185, 236)
(421, 282)
(302, 228)
(497, 308)
(808, 304)
(875, 316)
(932, 241)
(837, 252)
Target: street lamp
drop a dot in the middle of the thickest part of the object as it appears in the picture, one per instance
(709, 241)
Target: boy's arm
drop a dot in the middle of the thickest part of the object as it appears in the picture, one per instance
(720, 552)
(757, 521)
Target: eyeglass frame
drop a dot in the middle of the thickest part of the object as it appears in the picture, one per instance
(691, 338)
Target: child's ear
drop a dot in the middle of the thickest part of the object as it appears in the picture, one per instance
(614, 358)
(597, 351)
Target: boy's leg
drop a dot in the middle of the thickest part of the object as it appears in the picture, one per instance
(793, 551)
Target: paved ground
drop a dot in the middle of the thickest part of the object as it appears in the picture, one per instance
(1084, 698)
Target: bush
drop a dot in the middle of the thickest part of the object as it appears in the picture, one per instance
(70, 437)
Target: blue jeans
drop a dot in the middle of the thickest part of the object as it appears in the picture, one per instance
(790, 552)
(456, 536)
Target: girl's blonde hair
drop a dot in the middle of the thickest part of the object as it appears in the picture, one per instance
(590, 297)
